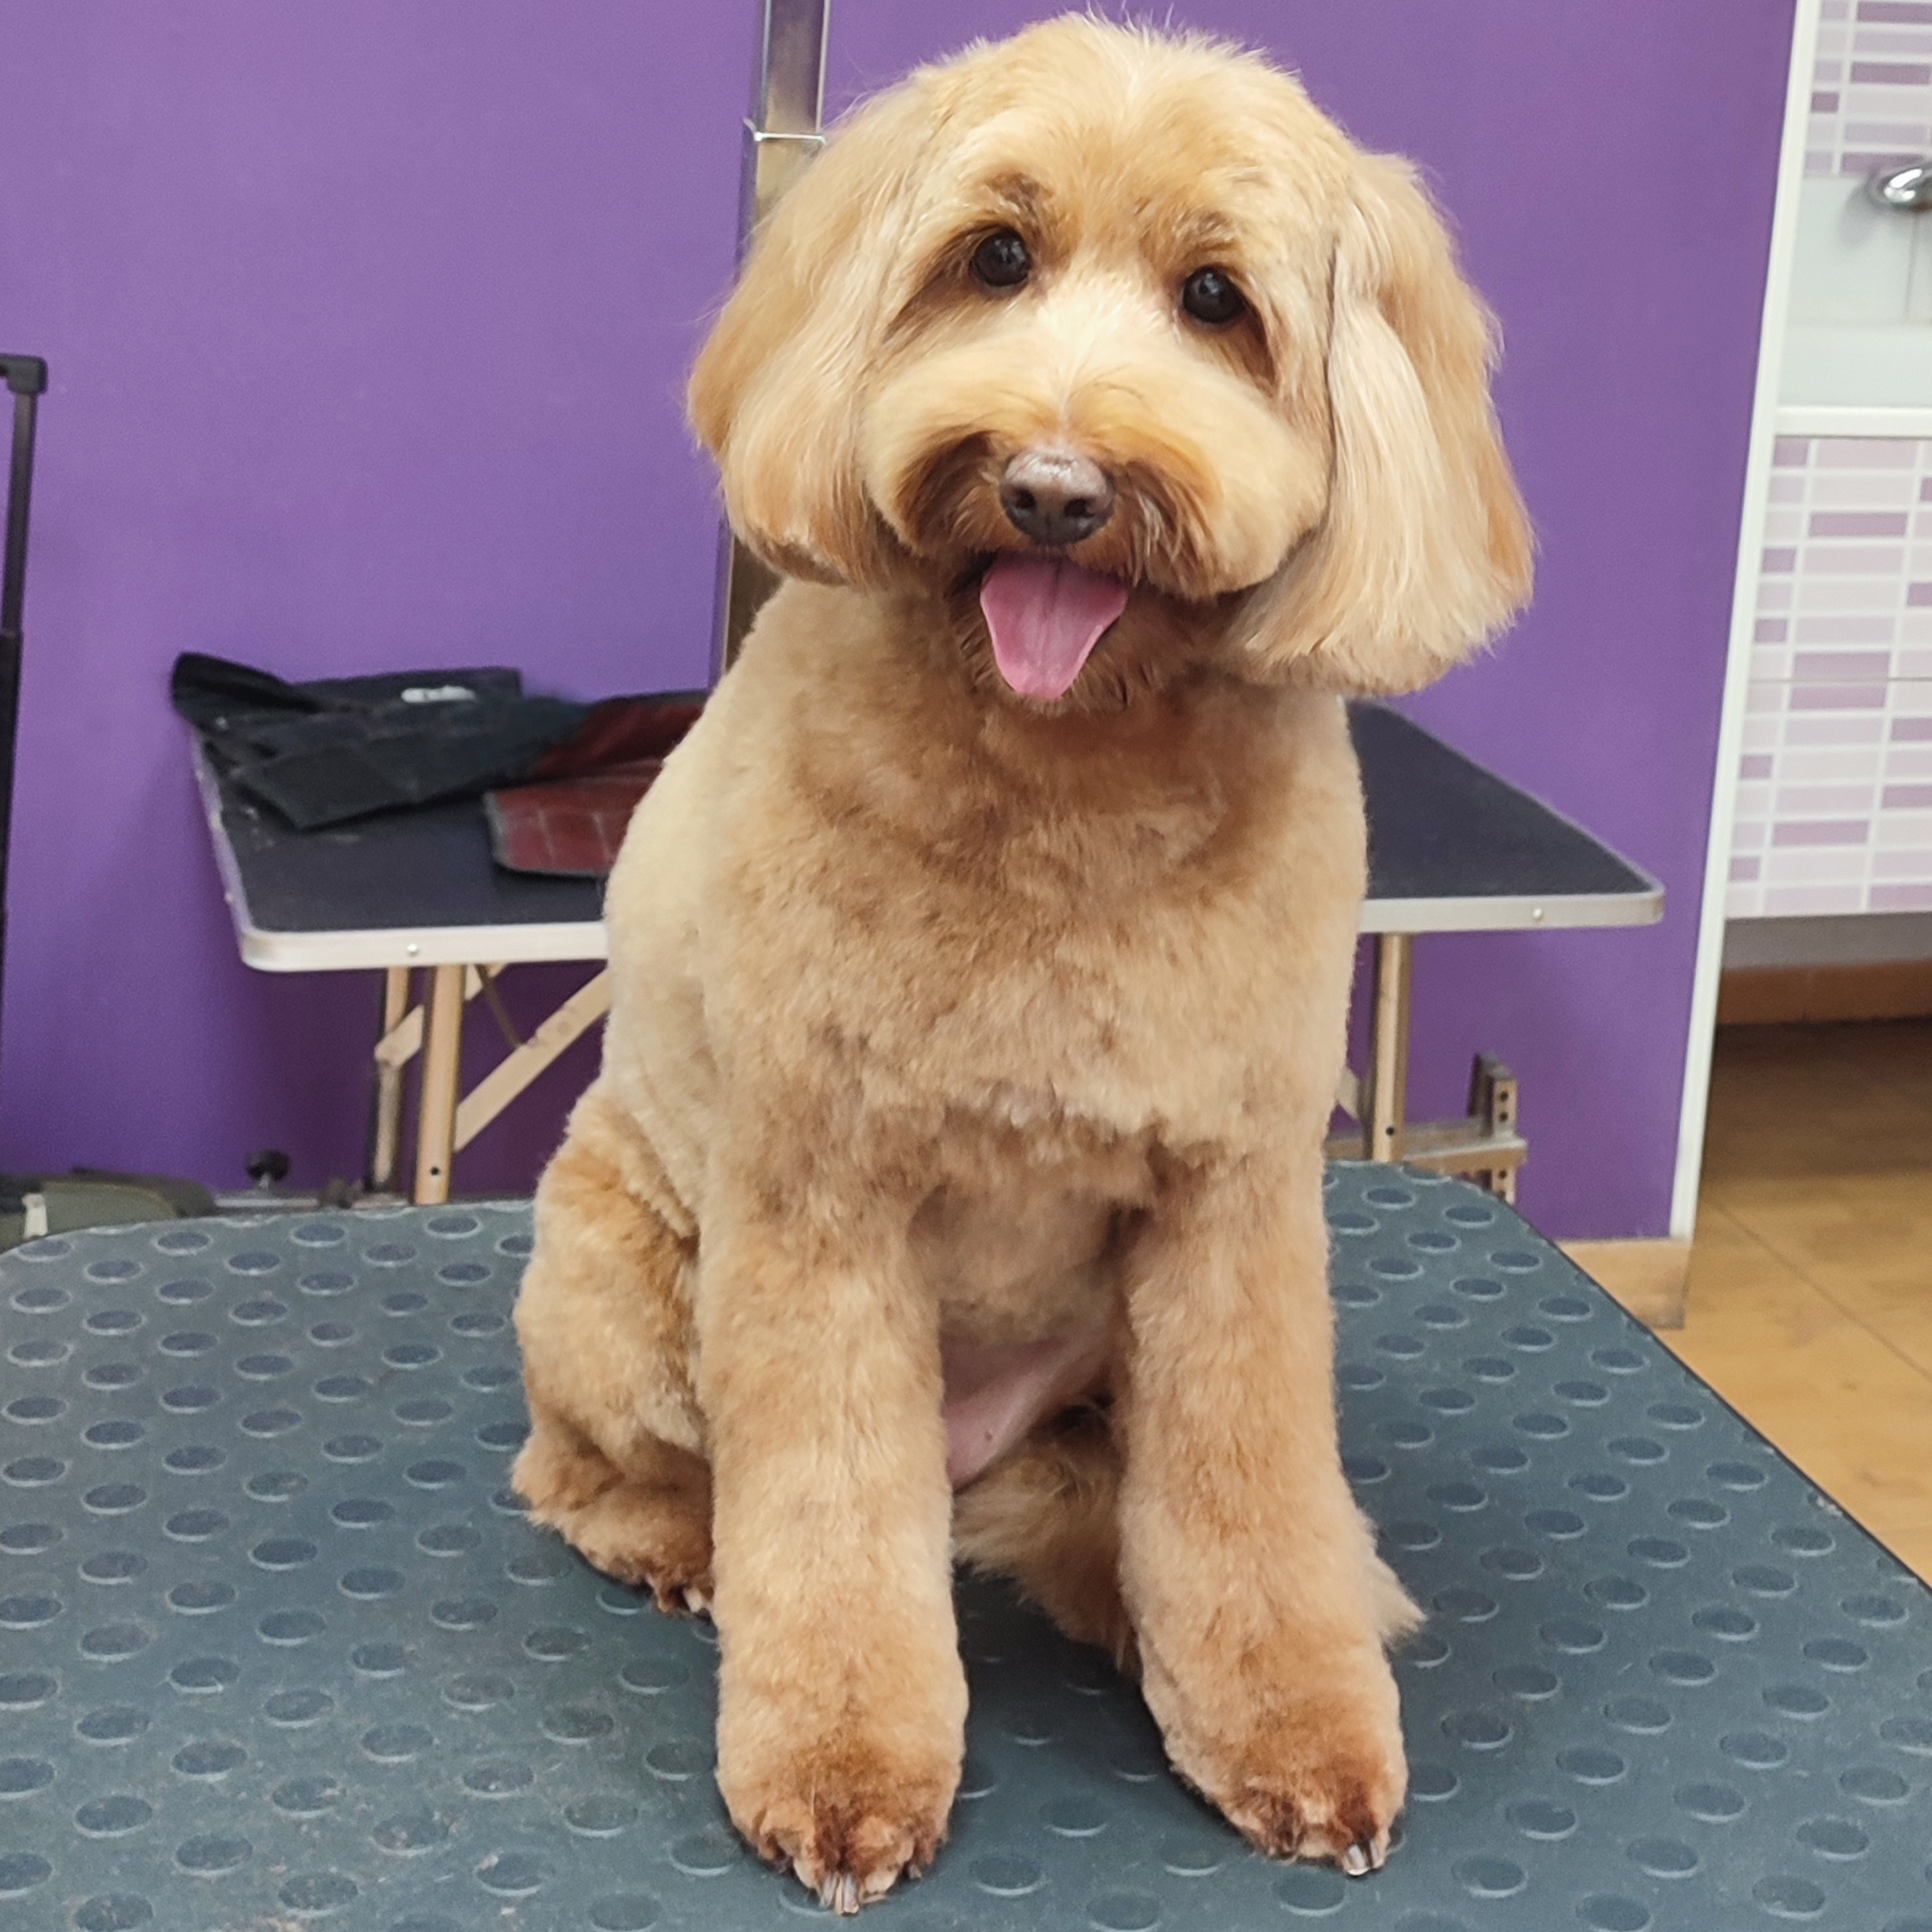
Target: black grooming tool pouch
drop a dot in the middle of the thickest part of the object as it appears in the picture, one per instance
(338, 749)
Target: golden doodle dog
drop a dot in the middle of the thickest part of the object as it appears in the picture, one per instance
(952, 1184)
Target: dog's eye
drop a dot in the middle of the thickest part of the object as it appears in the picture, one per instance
(1001, 261)
(1209, 296)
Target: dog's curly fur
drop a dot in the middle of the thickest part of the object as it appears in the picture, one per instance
(948, 1024)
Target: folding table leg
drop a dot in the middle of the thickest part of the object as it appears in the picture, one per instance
(1388, 1050)
(435, 1101)
(385, 1123)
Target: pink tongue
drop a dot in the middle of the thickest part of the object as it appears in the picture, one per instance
(1046, 615)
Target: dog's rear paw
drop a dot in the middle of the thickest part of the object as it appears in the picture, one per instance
(652, 1537)
(848, 1831)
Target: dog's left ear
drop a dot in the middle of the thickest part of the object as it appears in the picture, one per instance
(1425, 550)
(775, 394)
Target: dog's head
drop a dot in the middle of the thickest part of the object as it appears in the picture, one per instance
(1120, 337)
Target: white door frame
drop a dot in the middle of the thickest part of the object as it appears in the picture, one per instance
(1744, 618)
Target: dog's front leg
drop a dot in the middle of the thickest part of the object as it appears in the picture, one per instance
(842, 1701)
(1251, 1577)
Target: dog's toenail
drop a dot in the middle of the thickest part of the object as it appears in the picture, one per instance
(1355, 1861)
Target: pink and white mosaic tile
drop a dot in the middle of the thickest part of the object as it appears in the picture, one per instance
(1835, 801)
(1871, 87)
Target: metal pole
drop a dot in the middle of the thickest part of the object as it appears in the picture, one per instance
(1388, 1055)
(782, 135)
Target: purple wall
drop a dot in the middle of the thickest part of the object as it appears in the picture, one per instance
(368, 326)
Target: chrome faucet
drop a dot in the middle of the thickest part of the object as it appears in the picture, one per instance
(1905, 187)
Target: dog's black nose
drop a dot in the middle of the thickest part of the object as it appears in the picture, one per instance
(1057, 497)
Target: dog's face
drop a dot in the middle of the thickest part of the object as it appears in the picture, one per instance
(1116, 344)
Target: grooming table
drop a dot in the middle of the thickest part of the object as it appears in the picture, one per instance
(1454, 848)
(277, 1648)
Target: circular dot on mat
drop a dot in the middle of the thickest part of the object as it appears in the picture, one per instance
(408, 1834)
(209, 1757)
(1796, 1700)
(1431, 1782)
(1645, 1715)
(1875, 1610)
(1409, 1533)
(1758, 1749)
(1478, 1730)
(306, 1797)
(319, 1894)
(1573, 1636)
(1589, 1764)
(113, 1816)
(20, 1777)
(396, 1744)
(1837, 1654)
(290, 1627)
(199, 1598)
(203, 1675)
(651, 1676)
(1074, 1817)
(1609, 1912)
(1561, 1524)
(1311, 1892)
(1488, 1876)
(1124, 1912)
(601, 1815)
(579, 1724)
(293, 1709)
(22, 1871)
(676, 1758)
(1682, 1666)
(1714, 1804)
(1192, 1854)
(28, 1690)
(1874, 1785)
(513, 1874)
(114, 1724)
(1726, 1622)
(209, 1857)
(1542, 1818)
(1909, 1734)
(1617, 1593)
(1662, 1858)
(1834, 1838)
(1804, 1540)
(1007, 1875)
(1786, 1898)
(706, 1854)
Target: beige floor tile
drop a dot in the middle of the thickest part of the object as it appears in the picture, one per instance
(1810, 1307)
(1847, 1407)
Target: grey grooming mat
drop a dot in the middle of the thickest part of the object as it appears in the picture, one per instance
(276, 1650)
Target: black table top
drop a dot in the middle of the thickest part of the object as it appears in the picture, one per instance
(1453, 848)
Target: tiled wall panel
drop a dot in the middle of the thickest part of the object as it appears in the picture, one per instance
(1871, 98)
(1835, 801)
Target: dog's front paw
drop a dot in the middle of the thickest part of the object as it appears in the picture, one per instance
(1322, 1777)
(848, 1820)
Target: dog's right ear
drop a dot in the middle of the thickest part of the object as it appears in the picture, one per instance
(775, 394)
